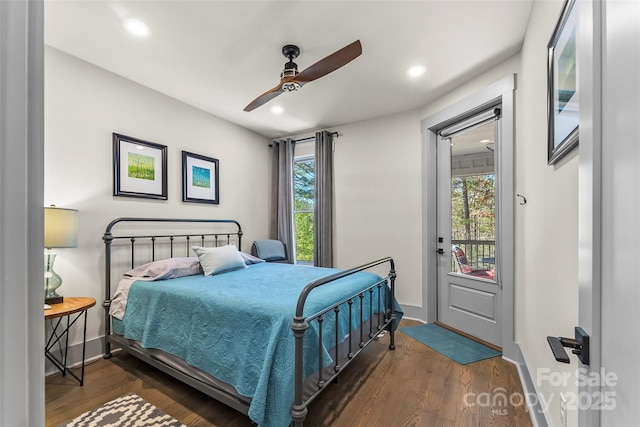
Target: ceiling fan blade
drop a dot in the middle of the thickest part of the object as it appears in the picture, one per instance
(321, 68)
(330, 63)
(264, 98)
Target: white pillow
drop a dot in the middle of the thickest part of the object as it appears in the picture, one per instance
(219, 259)
(169, 268)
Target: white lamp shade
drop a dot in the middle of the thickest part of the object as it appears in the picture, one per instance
(60, 228)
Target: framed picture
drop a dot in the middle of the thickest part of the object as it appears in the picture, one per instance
(562, 85)
(200, 182)
(139, 168)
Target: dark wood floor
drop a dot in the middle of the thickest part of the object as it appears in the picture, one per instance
(410, 386)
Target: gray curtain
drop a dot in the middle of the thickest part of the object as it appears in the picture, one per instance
(323, 209)
(281, 226)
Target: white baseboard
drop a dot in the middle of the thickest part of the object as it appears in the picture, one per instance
(412, 312)
(93, 352)
(538, 416)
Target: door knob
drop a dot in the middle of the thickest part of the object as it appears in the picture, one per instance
(580, 346)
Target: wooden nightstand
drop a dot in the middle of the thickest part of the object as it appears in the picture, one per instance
(70, 306)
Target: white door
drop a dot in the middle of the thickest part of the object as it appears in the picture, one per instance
(609, 211)
(469, 291)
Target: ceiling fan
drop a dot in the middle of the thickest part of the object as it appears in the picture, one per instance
(292, 80)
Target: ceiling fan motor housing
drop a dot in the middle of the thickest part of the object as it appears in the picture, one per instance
(290, 70)
(290, 52)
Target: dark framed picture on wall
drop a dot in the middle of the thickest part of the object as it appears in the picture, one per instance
(200, 183)
(139, 168)
(563, 108)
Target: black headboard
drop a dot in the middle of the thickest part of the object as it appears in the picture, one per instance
(163, 237)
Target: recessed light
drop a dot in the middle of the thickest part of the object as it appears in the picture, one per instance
(486, 140)
(416, 71)
(137, 27)
(276, 109)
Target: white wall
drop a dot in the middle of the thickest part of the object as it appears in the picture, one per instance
(479, 82)
(377, 198)
(547, 226)
(84, 104)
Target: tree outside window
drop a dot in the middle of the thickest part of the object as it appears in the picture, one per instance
(473, 203)
(303, 204)
(473, 220)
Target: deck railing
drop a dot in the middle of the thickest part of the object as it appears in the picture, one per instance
(476, 250)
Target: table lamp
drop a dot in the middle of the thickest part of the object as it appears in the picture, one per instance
(60, 231)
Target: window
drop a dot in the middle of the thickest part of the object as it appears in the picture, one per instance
(303, 204)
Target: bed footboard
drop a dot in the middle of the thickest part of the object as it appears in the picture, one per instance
(385, 320)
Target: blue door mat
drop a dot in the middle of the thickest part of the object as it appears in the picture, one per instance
(452, 345)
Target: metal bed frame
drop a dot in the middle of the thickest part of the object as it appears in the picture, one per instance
(384, 317)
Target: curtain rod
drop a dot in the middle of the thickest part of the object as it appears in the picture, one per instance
(310, 138)
(307, 139)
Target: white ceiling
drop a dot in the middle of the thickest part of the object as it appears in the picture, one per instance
(220, 55)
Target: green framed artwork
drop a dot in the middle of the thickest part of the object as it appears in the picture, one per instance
(563, 108)
(139, 168)
(200, 179)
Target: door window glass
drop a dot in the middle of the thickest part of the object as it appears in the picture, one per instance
(473, 202)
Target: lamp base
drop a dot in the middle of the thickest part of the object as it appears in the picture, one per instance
(54, 300)
(51, 280)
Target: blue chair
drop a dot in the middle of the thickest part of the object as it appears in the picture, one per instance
(270, 250)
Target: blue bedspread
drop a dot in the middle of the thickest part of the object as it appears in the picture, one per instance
(236, 326)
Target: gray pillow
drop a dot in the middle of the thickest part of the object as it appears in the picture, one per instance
(250, 259)
(169, 268)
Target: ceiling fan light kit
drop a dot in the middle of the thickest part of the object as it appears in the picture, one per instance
(292, 80)
(290, 87)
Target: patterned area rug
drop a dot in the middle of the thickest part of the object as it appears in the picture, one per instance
(129, 410)
(448, 343)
